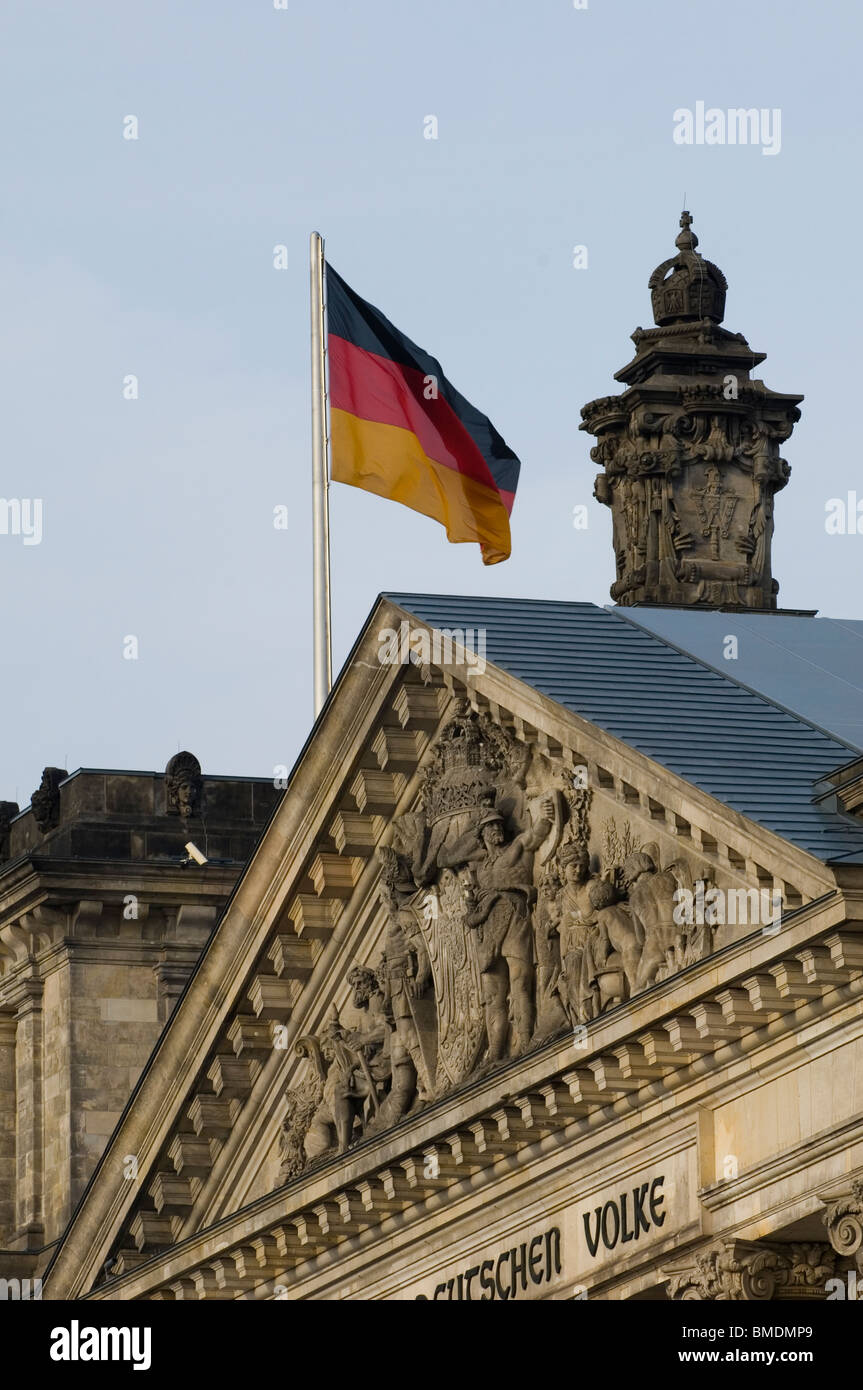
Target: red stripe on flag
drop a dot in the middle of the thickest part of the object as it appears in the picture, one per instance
(378, 389)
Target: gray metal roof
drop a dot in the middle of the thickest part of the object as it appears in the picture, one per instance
(811, 666)
(735, 744)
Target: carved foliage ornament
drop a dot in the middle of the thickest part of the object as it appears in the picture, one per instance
(844, 1221)
(732, 1270)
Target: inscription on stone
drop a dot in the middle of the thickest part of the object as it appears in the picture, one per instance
(624, 1218)
(514, 1273)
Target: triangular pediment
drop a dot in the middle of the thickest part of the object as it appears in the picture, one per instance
(502, 872)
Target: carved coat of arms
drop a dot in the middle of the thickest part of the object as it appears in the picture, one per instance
(451, 948)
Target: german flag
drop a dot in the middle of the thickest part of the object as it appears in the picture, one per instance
(401, 430)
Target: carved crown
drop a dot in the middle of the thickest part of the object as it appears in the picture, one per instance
(687, 286)
(461, 778)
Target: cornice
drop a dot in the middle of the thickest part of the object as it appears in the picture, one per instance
(629, 1063)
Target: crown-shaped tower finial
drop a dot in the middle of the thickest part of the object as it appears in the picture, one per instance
(690, 451)
(687, 287)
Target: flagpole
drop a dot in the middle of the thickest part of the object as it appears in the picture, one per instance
(323, 661)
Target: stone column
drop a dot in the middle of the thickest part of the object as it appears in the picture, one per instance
(29, 1224)
(844, 1221)
(7, 1127)
(23, 940)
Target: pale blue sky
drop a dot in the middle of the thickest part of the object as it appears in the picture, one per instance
(256, 125)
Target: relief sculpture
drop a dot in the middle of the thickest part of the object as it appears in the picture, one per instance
(509, 917)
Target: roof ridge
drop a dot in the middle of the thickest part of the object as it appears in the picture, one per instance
(396, 596)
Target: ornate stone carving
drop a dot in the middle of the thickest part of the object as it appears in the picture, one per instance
(615, 948)
(183, 784)
(652, 900)
(406, 976)
(405, 972)
(503, 928)
(690, 451)
(810, 1265)
(348, 1092)
(576, 987)
(452, 955)
(45, 801)
(619, 933)
(551, 1010)
(499, 894)
(730, 1271)
(844, 1221)
(687, 286)
(470, 859)
(385, 1057)
(8, 811)
(733, 1270)
(618, 843)
(301, 1103)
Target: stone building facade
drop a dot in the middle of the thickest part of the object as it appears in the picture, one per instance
(472, 1047)
(103, 915)
(544, 979)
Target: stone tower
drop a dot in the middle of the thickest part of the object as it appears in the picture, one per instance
(690, 450)
(102, 919)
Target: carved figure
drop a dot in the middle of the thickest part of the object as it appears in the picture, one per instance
(372, 1042)
(499, 901)
(579, 997)
(301, 1103)
(550, 1013)
(347, 1087)
(652, 902)
(45, 801)
(613, 952)
(405, 974)
(183, 784)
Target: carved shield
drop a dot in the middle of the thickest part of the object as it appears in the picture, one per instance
(452, 952)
